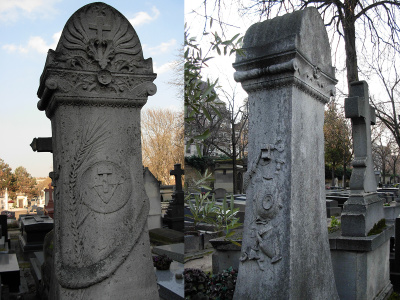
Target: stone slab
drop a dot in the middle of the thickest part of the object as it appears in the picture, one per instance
(369, 243)
(171, 288)
(9, 271)
(173, 251)
(166, 235)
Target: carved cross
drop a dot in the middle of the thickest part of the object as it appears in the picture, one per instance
(177, 172)
(100, 26)
(362, 116)
(104, 173)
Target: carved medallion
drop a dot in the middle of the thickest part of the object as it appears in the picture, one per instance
(105, 187)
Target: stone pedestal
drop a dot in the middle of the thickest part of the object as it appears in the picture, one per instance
(92, 88)
(288, 75)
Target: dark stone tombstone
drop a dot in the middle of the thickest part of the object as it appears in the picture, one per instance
(33, 232)
(174, 216)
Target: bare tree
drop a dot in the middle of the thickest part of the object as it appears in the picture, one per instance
(373, 23)
(162, 142)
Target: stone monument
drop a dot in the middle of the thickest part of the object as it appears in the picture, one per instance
(92, 88)
(361, 260)
(288, 75)
(174, 215)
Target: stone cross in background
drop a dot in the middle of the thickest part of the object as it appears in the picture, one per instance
(288, 75)
(174, 215)
(361, 261)
(92, 88)
(363, 208)
(177, 172)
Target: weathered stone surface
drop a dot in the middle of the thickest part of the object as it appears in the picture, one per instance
(92, 88)
(364, 208)
(288, 75)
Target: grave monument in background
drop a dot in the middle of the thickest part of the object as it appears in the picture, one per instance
(92, 88)
(361, 260)
(288, 74)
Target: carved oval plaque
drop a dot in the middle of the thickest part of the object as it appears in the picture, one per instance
(105, 187)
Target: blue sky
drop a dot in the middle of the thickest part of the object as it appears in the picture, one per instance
(28, 28)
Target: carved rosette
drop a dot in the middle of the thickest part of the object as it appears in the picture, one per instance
(98, 61)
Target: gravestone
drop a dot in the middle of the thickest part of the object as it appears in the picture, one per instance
(288, 75)
(92, 88)
(33, 231)
(361, 261)
(152, 188)
(174, 216)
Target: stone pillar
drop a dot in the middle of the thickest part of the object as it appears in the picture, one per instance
(288, 75)
(92, 88)
(361, 262)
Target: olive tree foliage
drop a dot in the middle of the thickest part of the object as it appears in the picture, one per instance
(200, 97)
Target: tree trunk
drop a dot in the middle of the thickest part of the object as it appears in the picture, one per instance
(350, 41)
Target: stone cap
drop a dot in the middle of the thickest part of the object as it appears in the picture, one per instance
(289, 50)
(98, 58)
(301, 31)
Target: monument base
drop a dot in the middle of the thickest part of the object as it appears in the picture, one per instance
(360, 213)
(361, 265)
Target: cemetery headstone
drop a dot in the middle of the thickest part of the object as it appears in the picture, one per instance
(152, 188)
(33, 231)
(288, 75)
(360, 258)
(92, 88)
(174, 216)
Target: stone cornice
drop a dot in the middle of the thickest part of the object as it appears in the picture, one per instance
(88, 88)
(290, 68)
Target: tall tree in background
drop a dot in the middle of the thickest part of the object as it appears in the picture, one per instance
(24, 183)
(337, 140)
(5, 175)
(162, 142)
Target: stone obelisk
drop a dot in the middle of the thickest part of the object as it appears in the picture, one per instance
(92, 88)
(288, 75)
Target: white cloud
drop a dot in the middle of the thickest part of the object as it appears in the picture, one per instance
(11, 10)
(163, 47)
(163, 68)
(142, 17)
(35, 43)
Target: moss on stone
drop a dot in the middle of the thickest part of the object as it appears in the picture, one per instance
(378, 227)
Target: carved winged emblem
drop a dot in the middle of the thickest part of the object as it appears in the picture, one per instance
(94, 35)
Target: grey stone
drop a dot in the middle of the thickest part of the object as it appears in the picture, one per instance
(33, 232)
(363, 208)
(152, 188)
(288, 74)
(171, 287)
(92, 89)
(173, 251)
(220, 193)
(361, 262)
